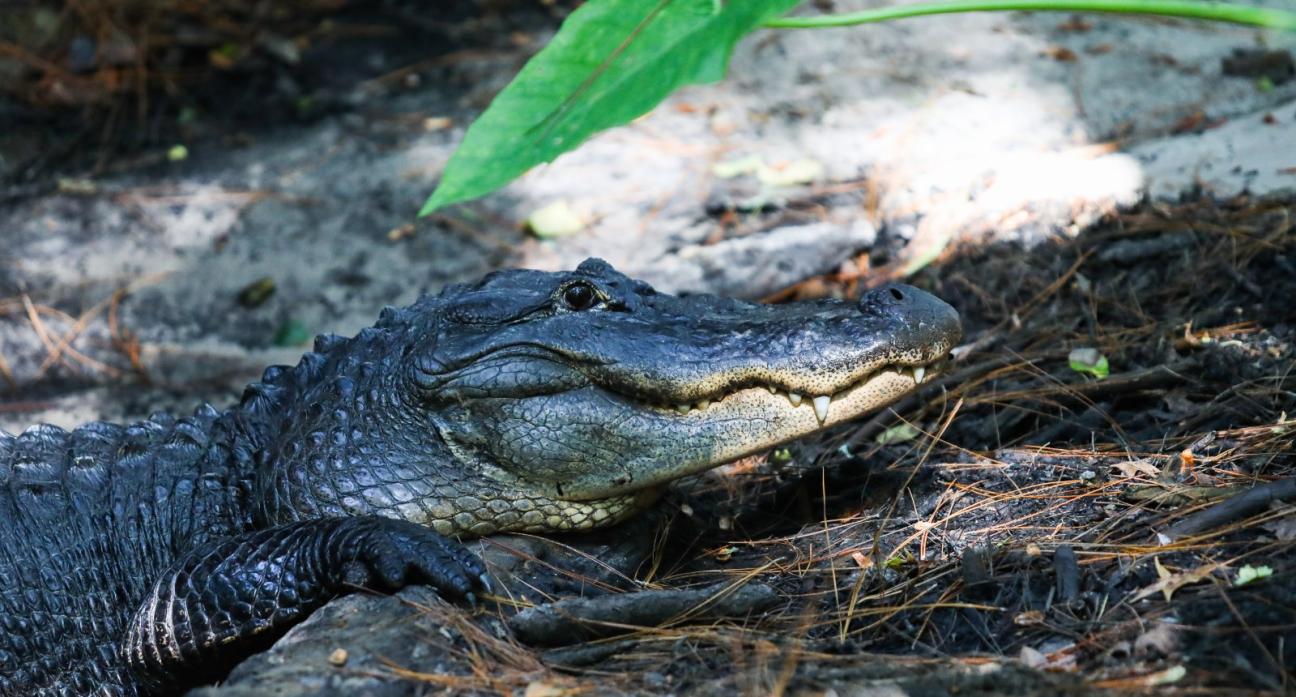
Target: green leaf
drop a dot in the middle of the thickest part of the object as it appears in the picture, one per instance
(1236, 13)
(292, 333)
(1249, 573)
(1088, 360)
(900, 433)
(612, 61)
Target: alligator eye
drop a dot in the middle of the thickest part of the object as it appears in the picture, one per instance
(579, 296)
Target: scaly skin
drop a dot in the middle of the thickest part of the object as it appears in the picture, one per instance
(152, 557)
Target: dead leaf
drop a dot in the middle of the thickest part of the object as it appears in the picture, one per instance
(1170, 582)
(540, 688)
(1169, 676)
(1133, 468)
(1028, 618)
(1031, 658)
(1283, 529)
(558, 219)
(1075, 24)
(1163, 677)
(1061, 53)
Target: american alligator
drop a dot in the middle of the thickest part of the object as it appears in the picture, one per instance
(148, 558)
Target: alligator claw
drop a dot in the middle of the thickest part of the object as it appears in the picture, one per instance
(401, 553)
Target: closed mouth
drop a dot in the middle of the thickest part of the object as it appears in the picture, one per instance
(824, 406)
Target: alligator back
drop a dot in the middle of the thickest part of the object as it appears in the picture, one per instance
(89, 518)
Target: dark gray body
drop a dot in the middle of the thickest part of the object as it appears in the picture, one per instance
(151, 557)
(89, 519)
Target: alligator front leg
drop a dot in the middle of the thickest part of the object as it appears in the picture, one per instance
(225, 601)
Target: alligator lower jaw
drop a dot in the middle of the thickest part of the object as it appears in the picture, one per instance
(750, 420)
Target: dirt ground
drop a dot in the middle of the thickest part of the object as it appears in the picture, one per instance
(1016, 527)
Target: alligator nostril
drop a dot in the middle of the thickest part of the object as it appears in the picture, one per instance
(895, 293)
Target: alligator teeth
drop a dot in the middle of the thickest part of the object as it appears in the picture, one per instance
(821, 408)
(919, 373)
(682, 408)
(704, 404)
(772, 389)
(794, 398)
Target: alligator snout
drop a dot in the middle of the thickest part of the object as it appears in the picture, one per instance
(901, 301)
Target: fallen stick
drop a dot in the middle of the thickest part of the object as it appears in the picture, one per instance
(1236, 507)
(575, 620)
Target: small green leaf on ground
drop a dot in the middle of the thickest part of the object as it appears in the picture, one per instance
(292, 333)
(803, 171)
(896, 562)
(796, 172)
(177, 153)
(1250, 573)
(1088, 360)
(557, 219)
(737, 167)
(84, 187)
(1264, 84)
(256, 292)
(900, 433)
(612, 61)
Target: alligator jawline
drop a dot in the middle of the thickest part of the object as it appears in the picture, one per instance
(819, 403)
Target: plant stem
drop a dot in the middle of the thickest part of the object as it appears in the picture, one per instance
(1236, 14)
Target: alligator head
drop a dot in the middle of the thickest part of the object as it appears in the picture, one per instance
(548, 401)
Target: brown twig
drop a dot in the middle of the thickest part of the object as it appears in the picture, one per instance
(57, 350)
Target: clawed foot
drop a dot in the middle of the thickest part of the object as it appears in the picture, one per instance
(398, 553)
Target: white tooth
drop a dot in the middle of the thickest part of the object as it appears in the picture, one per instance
(772, 389)
(821, 407)
(794, 398)
(682, 408)
(919, 373)
(704, 404)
